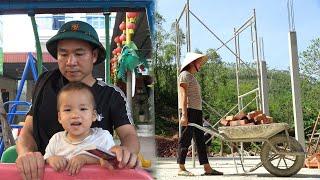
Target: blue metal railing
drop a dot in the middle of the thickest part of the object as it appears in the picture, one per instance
(30, 64)
(11, 114)
(13, 110)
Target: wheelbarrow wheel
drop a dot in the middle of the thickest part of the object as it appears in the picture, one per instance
(283, 165)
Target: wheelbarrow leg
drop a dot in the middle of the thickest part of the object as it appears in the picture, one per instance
(241, 151)
(234, 160)
(241, 158)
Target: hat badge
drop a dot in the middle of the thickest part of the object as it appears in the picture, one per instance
(75, 27)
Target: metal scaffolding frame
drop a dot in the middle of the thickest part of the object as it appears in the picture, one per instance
(250, 23)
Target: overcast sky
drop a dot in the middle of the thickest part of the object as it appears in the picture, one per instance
(17, 34)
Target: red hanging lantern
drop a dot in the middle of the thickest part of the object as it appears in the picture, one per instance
(122, 26)
(118, 50)
(114, 52)
(113, 60)
(122, 38)
(131, 27)
(132, 16)
(117, 40)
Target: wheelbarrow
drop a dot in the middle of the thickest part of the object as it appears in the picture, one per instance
(281, 154)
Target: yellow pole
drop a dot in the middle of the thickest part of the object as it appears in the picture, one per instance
(129, 73)
(128, 35)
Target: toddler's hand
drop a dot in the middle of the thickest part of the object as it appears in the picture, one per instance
(58, 163)
(75, 164)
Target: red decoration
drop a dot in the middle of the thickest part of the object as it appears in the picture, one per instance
(132, 14)
(122, 38)
(114, 52)
(117, 40)
(131, 26)
(114, 60)
(122, 26)
(118, 50)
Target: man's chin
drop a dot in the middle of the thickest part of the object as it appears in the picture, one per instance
(73, 79)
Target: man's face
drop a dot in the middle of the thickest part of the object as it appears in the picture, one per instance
(75, 60)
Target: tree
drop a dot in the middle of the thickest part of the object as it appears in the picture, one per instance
(310, 83)
(217, 79)
(310, 60)
(165, 73)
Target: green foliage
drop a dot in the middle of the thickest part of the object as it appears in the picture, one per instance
(310, 83)
(218, 84)
(310, 59)
(215, 146)
(166, 127)
(280, 99)
(165, 73)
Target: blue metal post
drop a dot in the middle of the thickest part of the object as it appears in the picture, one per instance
(30, 62)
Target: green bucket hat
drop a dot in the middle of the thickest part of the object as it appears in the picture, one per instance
(77, 30)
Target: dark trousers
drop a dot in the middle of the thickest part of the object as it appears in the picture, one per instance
(194, 116)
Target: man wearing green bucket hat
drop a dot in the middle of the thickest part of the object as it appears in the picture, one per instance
(77, 48)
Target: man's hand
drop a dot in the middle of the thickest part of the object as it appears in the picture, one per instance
(184, 121)
(75, 164)
(125, 159)
(30, 165)
(58, 163)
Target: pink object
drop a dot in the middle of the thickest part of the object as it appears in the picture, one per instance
(89, 172)
(132, 14)
(122, 26)
(131, 26)
(117, 40)
(114, 60)
(122, 37)
(118, 50)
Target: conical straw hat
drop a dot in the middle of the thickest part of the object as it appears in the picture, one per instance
(190, 57)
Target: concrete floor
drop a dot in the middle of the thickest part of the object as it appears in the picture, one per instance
(167, 168)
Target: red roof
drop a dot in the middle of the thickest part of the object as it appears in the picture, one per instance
(21, 57)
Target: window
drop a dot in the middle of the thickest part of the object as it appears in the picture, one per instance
(58, 20)
(96, 21)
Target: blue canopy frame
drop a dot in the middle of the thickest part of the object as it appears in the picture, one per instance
(32, 7)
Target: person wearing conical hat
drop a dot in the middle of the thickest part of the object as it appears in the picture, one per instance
(190, 108)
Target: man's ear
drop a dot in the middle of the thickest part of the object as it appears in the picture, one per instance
(95, 54)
